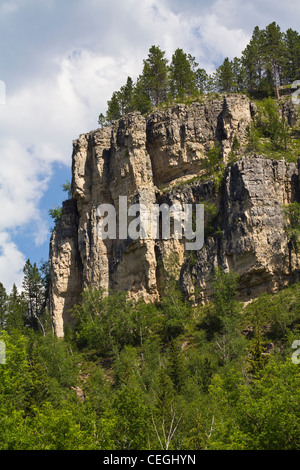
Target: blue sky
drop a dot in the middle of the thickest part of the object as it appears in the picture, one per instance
(61, 60)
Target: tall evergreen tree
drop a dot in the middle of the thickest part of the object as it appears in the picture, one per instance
(225, 78)
(126, 97)
(177, 369)
(3, 306)
(113, 108)
(34, 294)
(201, 80)
(252, 61)
(292, 66)
(239, 74)
(182, 77)
(16, 310)
(101, 120)
(141, 96)
(155, 75)
(257, 358)
(274, 53)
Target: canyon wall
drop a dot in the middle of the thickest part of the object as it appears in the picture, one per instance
(160, 159)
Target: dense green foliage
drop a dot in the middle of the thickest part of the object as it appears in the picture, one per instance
(268, 66)
(153, 376)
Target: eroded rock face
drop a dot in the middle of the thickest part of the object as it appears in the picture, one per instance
(144, 158)
(178, 139)
(65, 267)
(249, 234)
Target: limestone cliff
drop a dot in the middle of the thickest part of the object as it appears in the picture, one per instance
(156, 159)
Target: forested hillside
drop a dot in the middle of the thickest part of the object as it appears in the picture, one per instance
(153, 376)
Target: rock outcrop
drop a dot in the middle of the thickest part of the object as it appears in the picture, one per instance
(160, 159)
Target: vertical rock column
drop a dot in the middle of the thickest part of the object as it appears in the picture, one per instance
(65, 268)
(133, 266)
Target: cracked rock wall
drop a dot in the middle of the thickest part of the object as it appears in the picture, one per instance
(144, 159)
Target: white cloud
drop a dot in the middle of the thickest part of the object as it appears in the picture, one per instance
(7, 7)
(23, 179)
(221, 40)
(11, 263)
(38, 124)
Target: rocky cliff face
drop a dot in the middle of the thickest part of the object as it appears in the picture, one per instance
(159, 159)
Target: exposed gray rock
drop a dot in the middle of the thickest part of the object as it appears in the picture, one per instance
(151, 160)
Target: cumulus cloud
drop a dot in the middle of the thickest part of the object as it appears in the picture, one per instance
(11, 263)
(6, 8)
(38, 124)
(221, 40)
(23, 180)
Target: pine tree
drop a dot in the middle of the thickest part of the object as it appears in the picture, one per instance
(256, 353)
(16, 310)
(239, 74)
(292, 224)
(155, 75)
(201, 78)
(126, 97)
(206, 374)
(141, 97)
(34, 294)
(101, 120)
(292, 66)
(225, 77)
(45, 278)
(224, 294)
(182, 77)
(177, 369)
(252, 61)
(274, 53)
(165, 394)
(3, 306)
(113, 108)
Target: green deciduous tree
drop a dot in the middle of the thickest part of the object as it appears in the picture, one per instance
(55, 213)
(67, 188)
(292, 227)
(272, 124)
(132, 415)
(166, 412)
